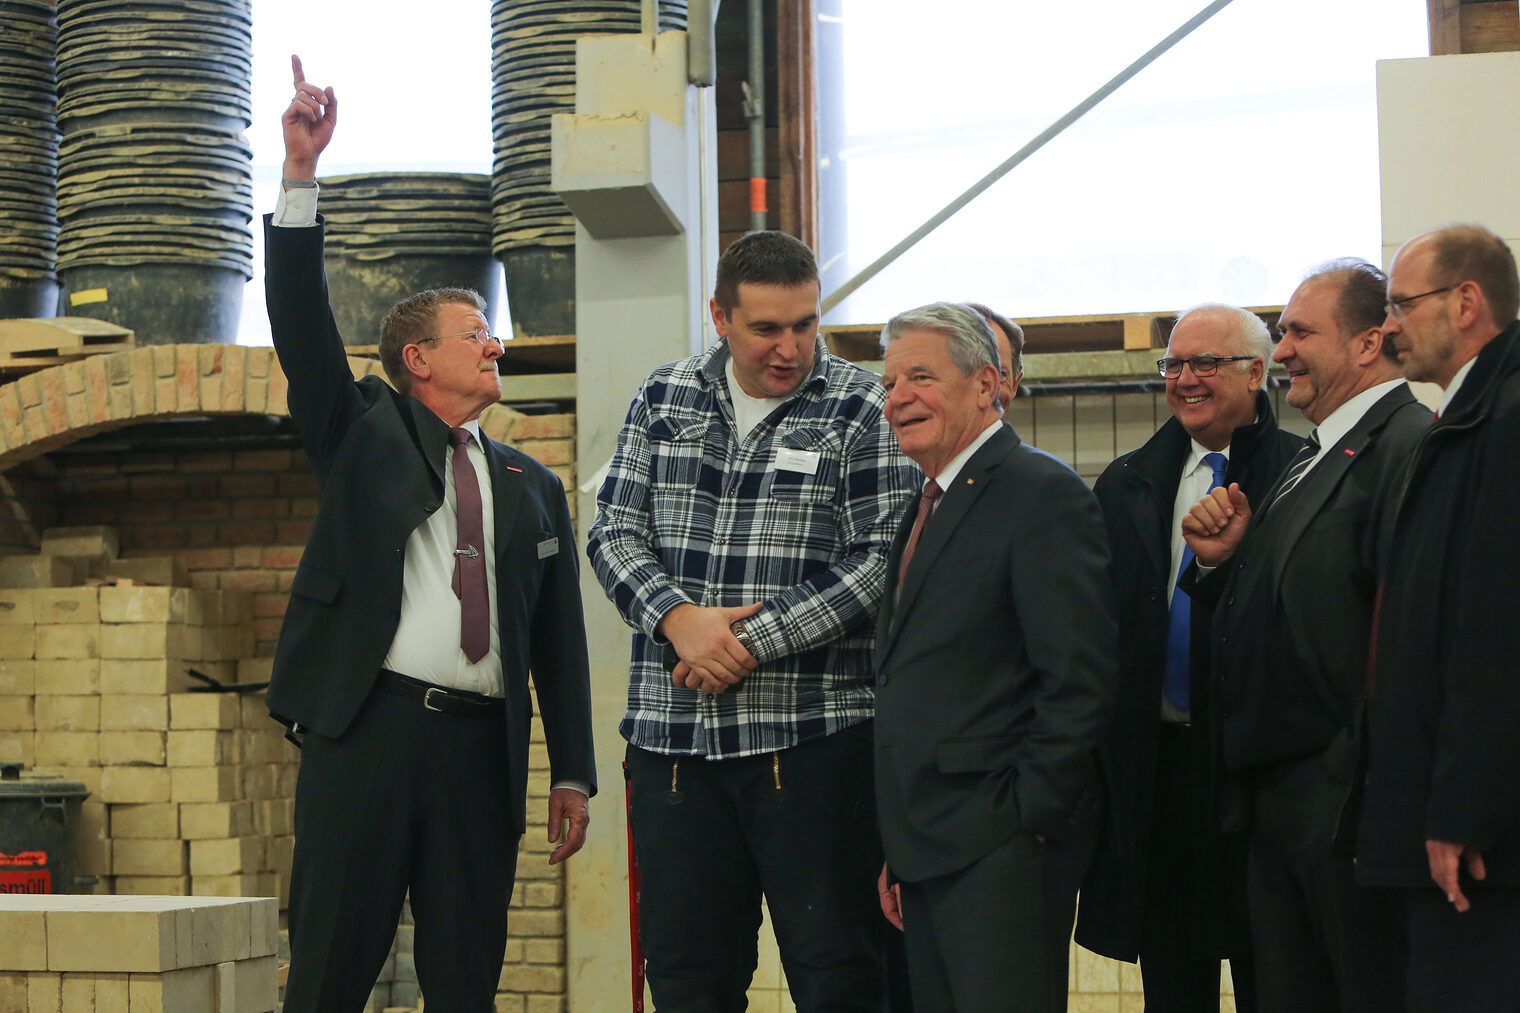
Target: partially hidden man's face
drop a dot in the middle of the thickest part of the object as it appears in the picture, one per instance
(1211, 408)
(772, 331)
(1423, 331)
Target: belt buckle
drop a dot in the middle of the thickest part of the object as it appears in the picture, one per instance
(427, 698)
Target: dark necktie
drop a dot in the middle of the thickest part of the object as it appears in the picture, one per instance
(470, 554)
(925, 508)
(1176, 684)
(1299, 467)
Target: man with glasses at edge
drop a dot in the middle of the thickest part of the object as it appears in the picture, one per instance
(1168, 883)
(441, 567)
(1442, 804)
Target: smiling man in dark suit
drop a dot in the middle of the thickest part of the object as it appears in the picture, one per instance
(441, 568)
(1293, 596)
(995, 675)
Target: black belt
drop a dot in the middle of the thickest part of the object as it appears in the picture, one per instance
(458, 702)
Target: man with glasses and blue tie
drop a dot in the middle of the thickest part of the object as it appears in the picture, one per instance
(440, 569)
(1168, 884)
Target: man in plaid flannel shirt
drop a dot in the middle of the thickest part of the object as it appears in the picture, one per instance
(743, 532)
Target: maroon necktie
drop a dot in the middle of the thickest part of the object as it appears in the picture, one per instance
(470, 554)
(925, 508)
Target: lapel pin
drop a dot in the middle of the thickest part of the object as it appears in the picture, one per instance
(1350, 452)
(971, 481)
(519, 470)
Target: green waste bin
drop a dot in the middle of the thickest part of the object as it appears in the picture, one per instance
(38, 818)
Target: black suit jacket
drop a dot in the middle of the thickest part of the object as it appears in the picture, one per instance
(996, 668)
(1293, 608)
(379, 459)
(1137, 493)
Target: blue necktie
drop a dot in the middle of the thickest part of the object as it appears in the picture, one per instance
(1175, 683)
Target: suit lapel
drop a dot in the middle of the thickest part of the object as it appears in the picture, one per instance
(1152, 474)
(432, 436)
(506, 492)
(1305, 503)
(948, 514)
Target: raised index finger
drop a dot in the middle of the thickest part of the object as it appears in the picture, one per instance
(295, 67)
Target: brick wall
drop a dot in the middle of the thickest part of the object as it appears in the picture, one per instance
(237, 520)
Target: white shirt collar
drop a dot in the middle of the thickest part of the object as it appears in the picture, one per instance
(1196, 453)
(1450, 393)
(948, 473)
(1341, 421)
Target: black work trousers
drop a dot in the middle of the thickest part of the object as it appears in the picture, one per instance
(712, 836)
(1463, 961)
(1323, 944)
(406, 798)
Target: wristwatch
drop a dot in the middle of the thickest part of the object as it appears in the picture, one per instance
(742, 635)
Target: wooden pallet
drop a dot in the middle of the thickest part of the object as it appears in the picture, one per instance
(1096, 333)
(31, 343)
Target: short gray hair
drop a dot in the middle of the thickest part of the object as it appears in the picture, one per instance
(972, 344)
(1248, 332)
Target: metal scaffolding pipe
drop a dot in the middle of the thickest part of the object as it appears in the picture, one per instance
(754, 110)
(1049, 133)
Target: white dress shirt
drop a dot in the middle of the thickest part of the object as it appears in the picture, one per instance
(1456, 384)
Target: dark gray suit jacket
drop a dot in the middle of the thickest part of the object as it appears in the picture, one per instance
(997, 668)
(379, 459)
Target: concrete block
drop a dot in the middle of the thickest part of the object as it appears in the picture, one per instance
(203, 784)
(18, 747)
(13, 991)
(35, 571)
(142, 641)
(18, 640)
(215, 820)
(257, 984)
(239, 885)
(203, 710)
(275, 817)
(67, 605)
(203, 748)
(67, 713)
(44, 992)
(112, 994)
(71, 676)
(150, 857)
(18, 677)
(98, 540)
(17, 606)
(77, 992)
(25, 935)
(18, 713)
(156, 886)
(118, 937)
(227, 857)
(135, 784)
(68, 749)
(143, 676)
(68, 640)
(139, 712)
(164, 570)
(148, 821)
(132, 749)
(188, 990)
(143, 604)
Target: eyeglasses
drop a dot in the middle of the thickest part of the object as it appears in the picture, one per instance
(1399, 307)
(1201, 365)
(481, 336)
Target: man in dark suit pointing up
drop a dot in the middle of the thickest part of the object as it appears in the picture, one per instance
(995, 674)
(441, 568)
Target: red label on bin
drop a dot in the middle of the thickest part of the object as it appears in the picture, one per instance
(28, 881)
(23, 859)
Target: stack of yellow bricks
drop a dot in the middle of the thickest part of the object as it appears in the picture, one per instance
(191, 793)
(66, 954)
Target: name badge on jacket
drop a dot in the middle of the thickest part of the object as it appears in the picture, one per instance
(803, 461)
(548, 547)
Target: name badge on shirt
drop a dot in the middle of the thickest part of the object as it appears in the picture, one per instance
(804, 461)
(548, 547)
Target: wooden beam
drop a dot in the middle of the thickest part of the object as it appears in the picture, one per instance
(797, 116)
(1445, 22)
(1490, 26)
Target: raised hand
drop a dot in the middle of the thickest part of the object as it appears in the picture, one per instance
(308, 125)
(1215, 525)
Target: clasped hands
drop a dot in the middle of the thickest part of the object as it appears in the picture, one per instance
(712, 659)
